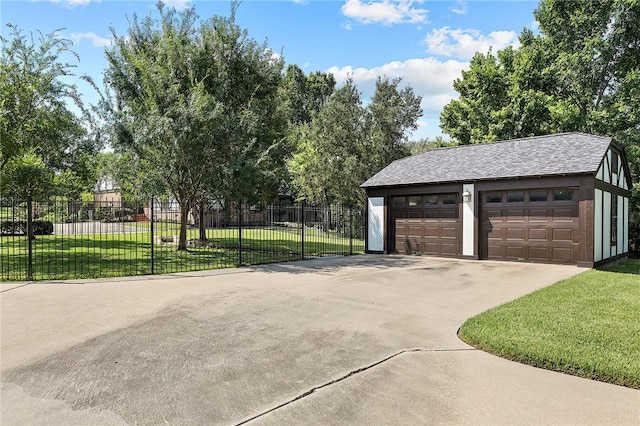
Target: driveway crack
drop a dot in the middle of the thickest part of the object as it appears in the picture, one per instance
(346, 376)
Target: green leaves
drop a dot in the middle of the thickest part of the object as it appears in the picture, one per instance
(580, 74)
(345, 143)
(35, 115)
(197, 108)
(26, 176)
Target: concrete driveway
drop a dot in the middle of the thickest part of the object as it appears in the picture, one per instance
(360, 340)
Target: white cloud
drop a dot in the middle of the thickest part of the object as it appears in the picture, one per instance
(74, 3)
(459, 43)
(95, 39)
(387, 12)
(460, 8)
(347, 25)
(300, 1)
(429, 77)
(177, 4)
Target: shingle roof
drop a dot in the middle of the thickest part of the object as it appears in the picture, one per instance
(559, 154)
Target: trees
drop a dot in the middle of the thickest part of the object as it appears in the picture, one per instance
(37, 125)
(199, 105)
(582, 73)
(326, 166)
(393, 113)
(345, 143)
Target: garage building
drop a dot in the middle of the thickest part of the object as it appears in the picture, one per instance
(560, 198)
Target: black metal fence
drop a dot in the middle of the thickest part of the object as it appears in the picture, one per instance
(112, 237)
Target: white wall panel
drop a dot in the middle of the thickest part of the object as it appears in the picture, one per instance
(621, 232)
(625, 226)
(597, 228)
(375, 218)
(606, 225)
(599, 174)
(468, 221)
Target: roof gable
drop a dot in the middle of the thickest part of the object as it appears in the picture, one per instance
(559, 154)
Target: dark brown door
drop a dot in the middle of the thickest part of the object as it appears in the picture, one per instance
(426, 224)
(533, 225)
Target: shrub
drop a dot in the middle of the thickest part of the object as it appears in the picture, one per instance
(42, 227)
(13, 227)
(19, 227)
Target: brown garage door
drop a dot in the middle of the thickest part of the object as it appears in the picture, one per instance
(427, 224)
(533, 225)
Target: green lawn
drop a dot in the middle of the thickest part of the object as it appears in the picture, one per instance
(108, 255)
(587, 326)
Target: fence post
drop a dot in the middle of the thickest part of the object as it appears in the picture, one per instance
(239, 232)
(153, 265)
(350, 230)
(30, 237)
(302, 223)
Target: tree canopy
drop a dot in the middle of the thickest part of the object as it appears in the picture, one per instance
(581, 73)
(197, 104)
(37, 124)
(346, 143)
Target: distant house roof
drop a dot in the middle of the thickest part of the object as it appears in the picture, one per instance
(559, 154)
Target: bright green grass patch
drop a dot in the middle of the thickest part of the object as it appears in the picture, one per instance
(126, 254)
(587, 326)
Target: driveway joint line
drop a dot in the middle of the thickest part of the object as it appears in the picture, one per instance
(346, 376)
(14, 288)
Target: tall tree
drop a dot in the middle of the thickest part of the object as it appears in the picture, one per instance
(346, 143)
(327, 164)
(198, 104)
(582, 73)
(304, 95)
(394, 114)
(36, 119)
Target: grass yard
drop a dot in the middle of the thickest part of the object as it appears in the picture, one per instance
(587, 326)
(126, 254)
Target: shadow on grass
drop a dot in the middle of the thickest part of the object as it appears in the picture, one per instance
(631, 266)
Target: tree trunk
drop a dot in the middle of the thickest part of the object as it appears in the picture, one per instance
(203, 228)
(184, 212)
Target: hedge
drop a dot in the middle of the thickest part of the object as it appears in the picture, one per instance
(19, 227)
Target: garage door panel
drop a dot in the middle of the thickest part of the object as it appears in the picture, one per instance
(429, 229)
(494, 233)
(562, 255)
(430, 247)
(563, 234)
(514, 215)
(563, 215)
(515, 234)
(449, 232)
(538, 234)
(449, 249)
(515, 252)
(495, 251)
(415, 230)
(538, 215)
(544, 231)
(539, 254)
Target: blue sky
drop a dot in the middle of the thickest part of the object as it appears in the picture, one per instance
(427, 43)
